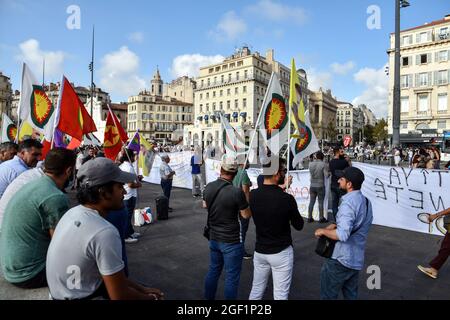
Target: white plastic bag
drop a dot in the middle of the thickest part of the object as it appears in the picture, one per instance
(138, 218)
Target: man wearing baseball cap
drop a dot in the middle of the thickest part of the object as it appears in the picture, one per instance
(84, 259)
(225, 203)
(353, 221)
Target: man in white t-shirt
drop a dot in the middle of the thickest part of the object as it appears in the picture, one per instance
(128, 159)
(84, 259)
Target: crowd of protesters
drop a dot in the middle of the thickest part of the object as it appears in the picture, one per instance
(89, 240)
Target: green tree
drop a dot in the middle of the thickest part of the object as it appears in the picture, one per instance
(380, 133)
(368, 134)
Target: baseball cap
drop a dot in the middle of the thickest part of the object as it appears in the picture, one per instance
(352, 174)
(100, 171)
(229, 163)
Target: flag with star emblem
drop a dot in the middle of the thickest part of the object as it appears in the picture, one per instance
(9, 129)
(274, 119)
(35, 108)
(115, 136)
(72, 116)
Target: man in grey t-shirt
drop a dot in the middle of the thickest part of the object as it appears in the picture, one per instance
(84, 259)
(318, 171)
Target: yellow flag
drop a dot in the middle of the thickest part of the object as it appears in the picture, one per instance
(296, 104)
(25, 130)
(146, 159)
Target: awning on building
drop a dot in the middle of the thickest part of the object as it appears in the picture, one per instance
(244, 114)
(235, 114)
(206, 117)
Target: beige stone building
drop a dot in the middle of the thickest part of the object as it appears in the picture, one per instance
(6, 95)
(236, 87)
(158, 117)
(322, 112)
(424, 83)
(349, 122)
(181, 89)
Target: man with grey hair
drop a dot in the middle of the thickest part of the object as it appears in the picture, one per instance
(166, 174)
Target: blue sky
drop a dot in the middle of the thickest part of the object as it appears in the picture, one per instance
(330, 39)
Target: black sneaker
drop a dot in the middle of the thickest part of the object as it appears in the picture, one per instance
(323, 220)
(310, 220)
(247, 256)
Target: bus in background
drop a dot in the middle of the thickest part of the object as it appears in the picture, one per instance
(445, 150)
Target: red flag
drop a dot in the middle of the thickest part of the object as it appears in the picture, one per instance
(115, 136)
(73, 116)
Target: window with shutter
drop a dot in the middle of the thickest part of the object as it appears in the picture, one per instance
(429, 58)
(417, 59)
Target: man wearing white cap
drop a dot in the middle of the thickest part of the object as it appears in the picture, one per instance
(225, 203)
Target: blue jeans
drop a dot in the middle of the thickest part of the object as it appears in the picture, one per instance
(335, 277)
(224, 255)
(119, 219)
(130, 205)
(166, 186)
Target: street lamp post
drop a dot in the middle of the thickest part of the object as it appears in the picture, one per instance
(396, 102)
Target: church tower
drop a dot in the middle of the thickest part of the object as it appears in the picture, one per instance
(157, 84)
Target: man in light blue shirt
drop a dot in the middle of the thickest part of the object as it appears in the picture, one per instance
(353, 221)
(30, 152)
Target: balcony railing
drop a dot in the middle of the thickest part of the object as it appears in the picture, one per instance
(233, 80)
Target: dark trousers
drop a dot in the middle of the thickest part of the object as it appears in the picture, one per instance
(38, 281)
(119, 219)
(130, 204)
(166, 185)
(244, 228)
(336, 195)
(316, 192)
(443, 254)
(334, 278)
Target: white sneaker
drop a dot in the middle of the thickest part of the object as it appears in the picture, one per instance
(131, 240)
(135, 235)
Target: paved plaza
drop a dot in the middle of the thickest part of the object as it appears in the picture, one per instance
(173, 255)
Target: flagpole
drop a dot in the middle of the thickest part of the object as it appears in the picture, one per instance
(256, 128)
(115, 123)
(43, 74)
(20, 102)
(91, 67)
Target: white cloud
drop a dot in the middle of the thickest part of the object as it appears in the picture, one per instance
(189, 64)
(317, 79)
(118, 72)
(33, 55)
(375, 96)
(278, 12)
(342, 69)
(136, 37)
(230, 27)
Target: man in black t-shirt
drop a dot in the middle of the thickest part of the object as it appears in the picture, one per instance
(273, 211)
(337, 165)
(225, 203)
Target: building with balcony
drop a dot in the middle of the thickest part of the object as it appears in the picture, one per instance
(6, 95)
(424, 80)
(349, 122)
(369, 116)
(235, 87)
(158, 117)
